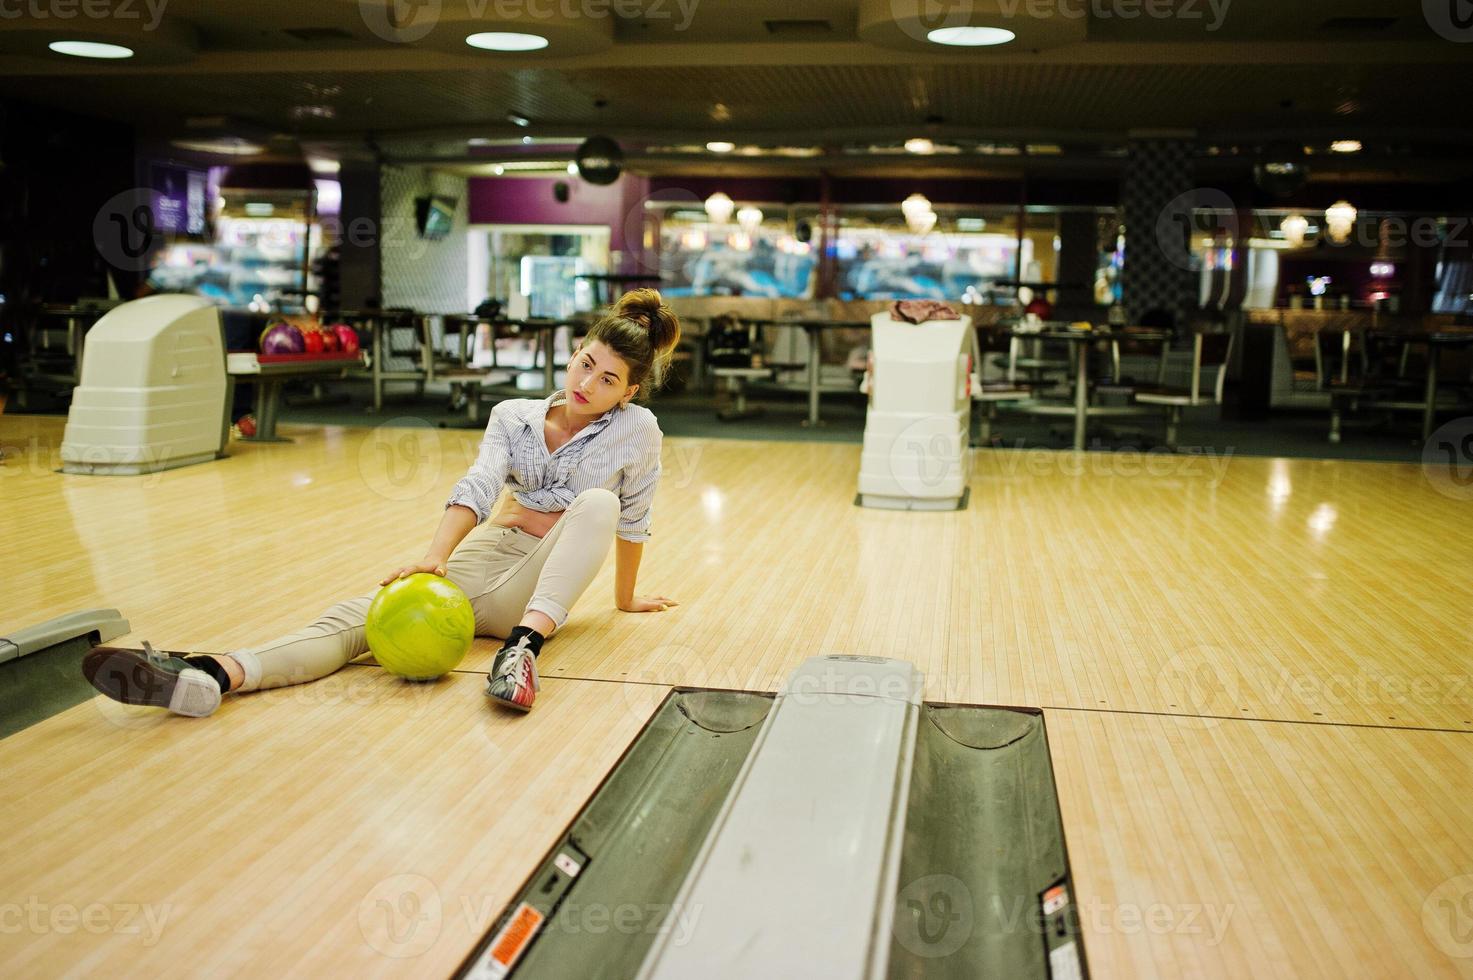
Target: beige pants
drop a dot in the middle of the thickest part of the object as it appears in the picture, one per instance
(505, 572)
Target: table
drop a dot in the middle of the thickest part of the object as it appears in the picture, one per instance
(1436, 341)
(272, 374)
(547, 329)
(375, 322)
(76, 321)
(1081, 409)
(814, 329)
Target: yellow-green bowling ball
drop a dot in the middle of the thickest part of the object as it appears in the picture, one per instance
(420, 626)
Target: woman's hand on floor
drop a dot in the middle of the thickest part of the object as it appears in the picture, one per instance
(649, 603)
(432, 567)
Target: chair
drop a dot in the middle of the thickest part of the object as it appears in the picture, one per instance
(1124, 344)
(1210, 353)
(988, 394)
(730, 346)
(1347, 372)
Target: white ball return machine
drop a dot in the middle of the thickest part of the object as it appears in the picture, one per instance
(918, 423)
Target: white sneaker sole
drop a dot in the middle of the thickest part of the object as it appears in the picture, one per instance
(196, 695)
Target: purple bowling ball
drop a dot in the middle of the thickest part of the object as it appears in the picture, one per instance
(283, 338)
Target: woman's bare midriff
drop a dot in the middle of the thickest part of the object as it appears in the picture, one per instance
(534, 522)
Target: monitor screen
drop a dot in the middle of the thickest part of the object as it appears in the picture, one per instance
(434, 216)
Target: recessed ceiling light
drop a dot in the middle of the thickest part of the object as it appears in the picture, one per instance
(720, 146)
(506, 41)
(90, 49)
(920, 145)
(970, 37)
(517, 119)
(1346, 146)
(225, 146)
(498, 170)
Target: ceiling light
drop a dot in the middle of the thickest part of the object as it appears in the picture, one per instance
(225, 146)
(517, 119)
(720, 146)
(506, 41)
(719, 208)
(572, 168)
(1295, 227)
(1340, 217)
(920, 145)
(498, 170)
(915, 204)
(91, 49)
(1345, 146)
(970, 37)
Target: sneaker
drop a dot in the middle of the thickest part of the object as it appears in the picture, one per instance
(513, 679)
(149, 677)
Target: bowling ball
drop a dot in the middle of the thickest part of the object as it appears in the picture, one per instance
(312, 341)
(420, 626)
(282, 338)
(330, 342)
(347, 337)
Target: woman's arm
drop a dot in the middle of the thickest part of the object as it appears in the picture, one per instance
(458, 521)
(626, 569)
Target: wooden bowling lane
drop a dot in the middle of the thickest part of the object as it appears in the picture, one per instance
(1286, 589)
(1240, 848)
(357, 826)
(1256, 588)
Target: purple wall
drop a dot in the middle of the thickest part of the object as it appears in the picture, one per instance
(530, 201)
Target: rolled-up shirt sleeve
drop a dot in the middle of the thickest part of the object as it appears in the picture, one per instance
(481, 486)
(637, 488)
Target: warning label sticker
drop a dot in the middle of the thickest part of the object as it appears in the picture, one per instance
(509, 943)
(1054, 899)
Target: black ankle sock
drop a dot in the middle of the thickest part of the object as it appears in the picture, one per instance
(534, 638)
(212, 667)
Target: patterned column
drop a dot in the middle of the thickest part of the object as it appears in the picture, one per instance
(1157, 274)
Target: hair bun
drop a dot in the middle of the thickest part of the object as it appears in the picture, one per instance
(644, 304)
